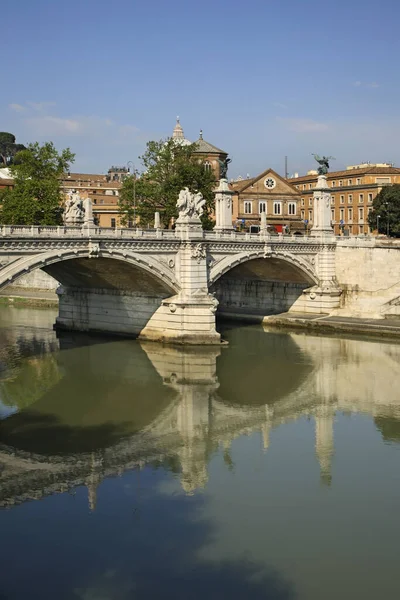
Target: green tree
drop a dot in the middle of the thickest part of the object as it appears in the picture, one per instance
(8, 148)
(168, 168)
(385, 213)
(36, 196)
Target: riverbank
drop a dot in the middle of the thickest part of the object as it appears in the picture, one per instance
(11, 296)
(334, 324)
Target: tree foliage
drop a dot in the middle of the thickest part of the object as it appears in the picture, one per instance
(386, 206)
(168, 168)
(36, 196)
(8, 148)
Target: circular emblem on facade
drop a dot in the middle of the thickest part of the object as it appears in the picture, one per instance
(270, 183)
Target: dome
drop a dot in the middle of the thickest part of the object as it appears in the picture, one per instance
(178, 136)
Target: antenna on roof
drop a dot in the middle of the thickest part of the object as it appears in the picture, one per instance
(286, 171)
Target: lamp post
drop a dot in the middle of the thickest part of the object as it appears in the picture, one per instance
(377, 222)
(134, 190)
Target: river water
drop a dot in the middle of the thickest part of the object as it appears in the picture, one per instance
(269, 468)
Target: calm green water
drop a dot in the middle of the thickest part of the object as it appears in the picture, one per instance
(266, 469)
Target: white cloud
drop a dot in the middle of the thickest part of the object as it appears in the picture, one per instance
(280, 105)
(17, 107)
(128, 130)
(370, 84)
(47, 125)
(40, 106)
(303, 125)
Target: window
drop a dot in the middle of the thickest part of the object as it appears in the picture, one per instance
(247, 208)
(303, 214)
(342, 199)
(310, 202)
(332, 199)
(361, 198)
(369, 197)
(342, 214)
(292, 208)
(333, 215)
(333, 183)
(350, 199)
(361, 214)
(277, 208)
(304, 186)
(340, 182)
(112, 222)
(350, 213)
(369, 209)
(310, 215)
(262, 207)
(207, 166)
(361, 228)
(381, 180)
(350, 182)
(310, 186)
(358, 181)
(302, 202)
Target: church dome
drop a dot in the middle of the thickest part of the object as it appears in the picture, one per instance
(178, 136)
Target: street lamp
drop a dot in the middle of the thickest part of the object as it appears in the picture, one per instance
(377, 222)
(134, 190)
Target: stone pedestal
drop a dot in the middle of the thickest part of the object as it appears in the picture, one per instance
(189, 316)
(223, 207)
(322, 210)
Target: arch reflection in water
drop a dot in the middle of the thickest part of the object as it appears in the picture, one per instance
(112, 406)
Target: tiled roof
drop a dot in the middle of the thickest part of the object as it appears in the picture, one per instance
(204, 147)
(349, 173)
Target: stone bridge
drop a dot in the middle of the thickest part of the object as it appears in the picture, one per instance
(168, 285)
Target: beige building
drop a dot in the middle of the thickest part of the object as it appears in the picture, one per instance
(269, 193)
(353, 192)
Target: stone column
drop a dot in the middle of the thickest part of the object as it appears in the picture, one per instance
(324, 297)
(322, 210)
(223, 206)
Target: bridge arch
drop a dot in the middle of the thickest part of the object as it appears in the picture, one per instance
(232, 261)
(23, 266)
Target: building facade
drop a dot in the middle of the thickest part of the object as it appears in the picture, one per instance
(352, 194)
(271, 194)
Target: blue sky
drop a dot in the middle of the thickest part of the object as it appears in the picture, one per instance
(262, 78)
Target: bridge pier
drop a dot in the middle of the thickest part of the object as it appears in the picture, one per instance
(189, 316)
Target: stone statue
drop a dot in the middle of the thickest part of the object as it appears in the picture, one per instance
(223, 167)
(74, 211)
(323, 162)
(189, 204)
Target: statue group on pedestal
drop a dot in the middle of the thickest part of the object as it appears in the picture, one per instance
(189, 204)
(77, 209)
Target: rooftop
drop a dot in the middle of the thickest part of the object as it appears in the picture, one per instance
(204, 147)
(353, 171)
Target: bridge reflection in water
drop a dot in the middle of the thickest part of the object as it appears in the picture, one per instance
(93, 408)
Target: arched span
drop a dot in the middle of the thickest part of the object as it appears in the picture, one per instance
(26, 264)
(229, 262)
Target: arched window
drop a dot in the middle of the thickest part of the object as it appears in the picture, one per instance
(248, 208)
(292, 208)
(262, 207)
(207, 166)
(277, 208)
